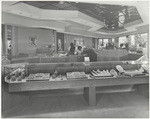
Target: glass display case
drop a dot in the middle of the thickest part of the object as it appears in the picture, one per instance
(19, 73)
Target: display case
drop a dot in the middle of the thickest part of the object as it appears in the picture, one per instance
(51, 76)
(21, 73)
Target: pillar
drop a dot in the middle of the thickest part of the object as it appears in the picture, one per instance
(96, 43)
(116, 42)
(14, 40)
(5, 41)
(147, 45)
(54, 41)
(109, 40)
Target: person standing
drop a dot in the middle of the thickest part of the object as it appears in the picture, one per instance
(79, 50)
(71, 49)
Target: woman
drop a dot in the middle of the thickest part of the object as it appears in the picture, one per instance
(71, 49)
(79, 50)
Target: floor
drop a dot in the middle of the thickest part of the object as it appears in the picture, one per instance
(113, 105)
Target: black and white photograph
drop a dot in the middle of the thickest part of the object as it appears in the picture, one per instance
(75, 59)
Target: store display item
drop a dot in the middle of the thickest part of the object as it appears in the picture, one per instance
(58, 78)
(98, 73)
(76, 75)
(119, 68)
(13, 80)
(55, 74)
(15, 76)
(113, 72)
(129, 72)
(146, 68)
(39, 77)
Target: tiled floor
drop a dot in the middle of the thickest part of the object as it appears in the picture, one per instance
(113, 105)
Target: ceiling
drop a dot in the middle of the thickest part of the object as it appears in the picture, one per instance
(110, 15)
(85, 18)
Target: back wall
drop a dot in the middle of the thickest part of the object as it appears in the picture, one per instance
(44, 38)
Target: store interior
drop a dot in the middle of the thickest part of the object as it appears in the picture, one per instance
(75, 59)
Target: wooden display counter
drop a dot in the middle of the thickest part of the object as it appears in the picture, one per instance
(89, 85)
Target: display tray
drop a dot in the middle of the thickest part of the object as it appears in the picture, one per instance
(37, 80)
(39, 77)
(136, 75)
(120, 76)
(76, 75)
(59, 78)
(101, 74)
(105, 77)
(9, 81)
(131, 73)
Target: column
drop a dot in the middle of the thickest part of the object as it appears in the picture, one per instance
(147, 45)
(14, 40)
(96, 43)
(109, 40)
(54, 41)
(5, 39)
(116, 41)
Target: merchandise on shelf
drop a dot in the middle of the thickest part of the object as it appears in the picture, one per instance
(98, 73)
(58, 78)
(146, 68)
(76, 75)
(120, 69)
(39, 77)
(15, 76)
(55, 74)
(130, 72)
(113, 72)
